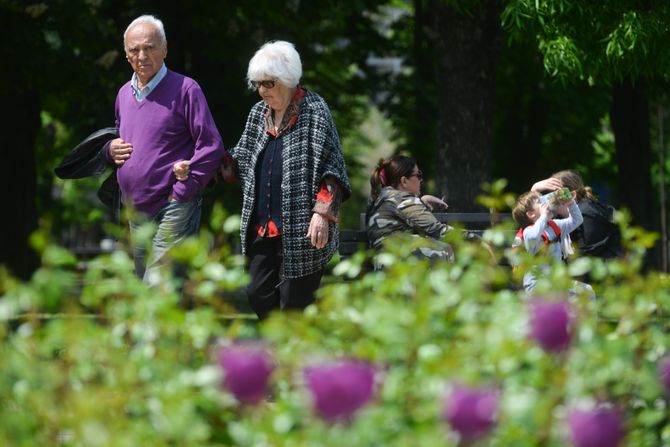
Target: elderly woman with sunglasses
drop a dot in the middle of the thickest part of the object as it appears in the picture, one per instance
(396, 205)
(293, 176)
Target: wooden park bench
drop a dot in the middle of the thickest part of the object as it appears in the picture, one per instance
(86, 244)
(353, 240)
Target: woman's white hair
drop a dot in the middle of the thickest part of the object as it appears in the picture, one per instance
(150, 20)
(275, 60)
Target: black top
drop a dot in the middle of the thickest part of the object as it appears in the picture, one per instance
(269, 179)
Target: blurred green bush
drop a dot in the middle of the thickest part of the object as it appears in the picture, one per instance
(94, 358)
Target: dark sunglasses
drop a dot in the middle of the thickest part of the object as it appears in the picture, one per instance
(268, 84)
(418, 175)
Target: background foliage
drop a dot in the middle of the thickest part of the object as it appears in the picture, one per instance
(555, 74)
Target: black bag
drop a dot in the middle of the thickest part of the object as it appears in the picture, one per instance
(88, 159)
(598, 236)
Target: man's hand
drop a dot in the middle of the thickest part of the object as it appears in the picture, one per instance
(181, 170)
(318, 231)
(120, 151)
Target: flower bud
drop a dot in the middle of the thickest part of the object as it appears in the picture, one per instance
(246, 369)
(471, 412)
(664, 373)
(340, 389)
(550, 324)
(598, 427)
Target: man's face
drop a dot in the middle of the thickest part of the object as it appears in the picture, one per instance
(145, 51)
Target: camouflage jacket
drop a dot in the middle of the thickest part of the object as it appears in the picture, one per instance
(394, 210)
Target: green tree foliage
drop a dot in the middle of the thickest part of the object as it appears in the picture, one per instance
(543, 125)
(70, 63)
(70, 66)
(61, 59)
(444, 99)
(595, 41)
(620, 44)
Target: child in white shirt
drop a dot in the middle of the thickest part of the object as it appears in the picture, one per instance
(539, 229)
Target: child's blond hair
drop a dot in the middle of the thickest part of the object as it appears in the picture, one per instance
(524, 204)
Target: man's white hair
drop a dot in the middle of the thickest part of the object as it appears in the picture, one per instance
(275, 60)
(150, 20)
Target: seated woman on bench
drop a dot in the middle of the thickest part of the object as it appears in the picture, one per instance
(396, 205)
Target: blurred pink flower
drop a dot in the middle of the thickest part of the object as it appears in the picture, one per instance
(471, 412)
(340, 389)
(664, 373)
(247, 368)
(599, 427)
(551, 324)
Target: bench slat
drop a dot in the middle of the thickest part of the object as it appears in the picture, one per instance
(353, 235)
(353, 240)
(471, 217)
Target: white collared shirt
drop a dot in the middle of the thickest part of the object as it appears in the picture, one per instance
(151, 85)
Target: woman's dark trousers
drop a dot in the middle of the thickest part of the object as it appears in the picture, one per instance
(268, 289)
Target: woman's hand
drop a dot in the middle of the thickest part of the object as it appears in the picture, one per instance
(228, 169)
(181, 170)
(432, 202)
(548, 184)
(318, 231)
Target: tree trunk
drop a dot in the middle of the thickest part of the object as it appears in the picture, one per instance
(469, 45)
(423, 126)
(19, 126)
(630, 123)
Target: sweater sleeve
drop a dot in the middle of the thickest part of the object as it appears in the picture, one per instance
(417, 215)
(571, 222)
(329, 199)
(208, 146)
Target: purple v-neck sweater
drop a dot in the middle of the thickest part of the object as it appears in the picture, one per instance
(173, 123)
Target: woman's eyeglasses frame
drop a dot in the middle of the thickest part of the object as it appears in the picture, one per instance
(267, 83)
(418, 174)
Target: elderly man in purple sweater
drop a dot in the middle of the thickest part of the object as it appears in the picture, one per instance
(162, 118)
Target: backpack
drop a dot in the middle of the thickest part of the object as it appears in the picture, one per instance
(518, 239)
(598, 235)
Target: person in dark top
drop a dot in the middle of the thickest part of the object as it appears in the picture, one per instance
(293, 176)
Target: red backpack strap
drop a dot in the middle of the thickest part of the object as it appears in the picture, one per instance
(519, 233)
(554, 227)
(518, 239)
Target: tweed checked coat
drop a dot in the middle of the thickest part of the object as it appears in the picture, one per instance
(311, 151)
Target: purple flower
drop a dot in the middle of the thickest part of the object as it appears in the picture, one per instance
(340, 389)
(599, 427)
(550, 324)
(471, 412)
(246, 368)
(664, 373)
